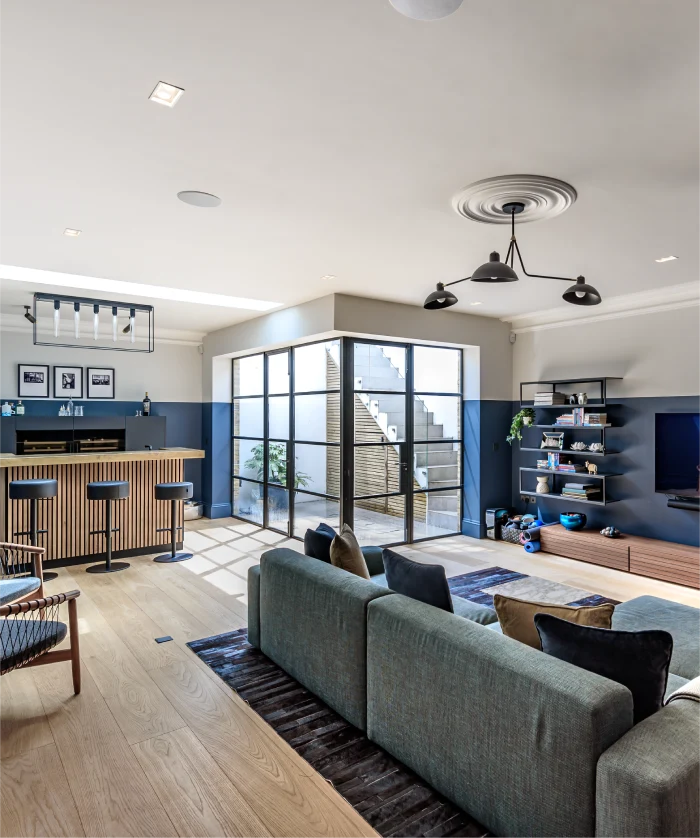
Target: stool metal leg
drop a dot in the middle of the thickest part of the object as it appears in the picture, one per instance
(34, 536)
(173, 556)
(109, 566)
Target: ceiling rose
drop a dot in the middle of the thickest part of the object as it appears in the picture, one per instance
(541, 196)
(199, 199)
(426, 9)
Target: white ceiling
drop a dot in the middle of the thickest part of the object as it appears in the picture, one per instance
(336, 133)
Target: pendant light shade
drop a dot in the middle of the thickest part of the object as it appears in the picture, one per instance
(494, 271)
(441, 298)
(581, 294)
(426, 9)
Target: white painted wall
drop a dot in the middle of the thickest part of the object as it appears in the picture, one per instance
(172, 373)
(656, 354)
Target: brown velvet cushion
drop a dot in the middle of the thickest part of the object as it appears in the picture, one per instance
(517, 616)
(346, 553)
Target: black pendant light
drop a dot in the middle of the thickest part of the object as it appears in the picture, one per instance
(579, 294)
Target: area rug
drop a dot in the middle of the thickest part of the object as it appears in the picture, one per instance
(386, 793)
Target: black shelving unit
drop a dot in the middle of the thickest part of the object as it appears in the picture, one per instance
(557, 386)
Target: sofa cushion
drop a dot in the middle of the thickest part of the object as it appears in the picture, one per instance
(18, 587)
(682, 622)
(424, 582)
(675, 682)
(346, 553)
(481, 614)
(517, 616)
(638, 660)
(317, 543)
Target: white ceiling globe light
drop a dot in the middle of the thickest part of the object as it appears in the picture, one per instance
(426, 9)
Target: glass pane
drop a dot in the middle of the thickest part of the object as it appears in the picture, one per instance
(248, 376)
(278, 372)
(248, 417)
(317, 418)
(436, 370)
(380, 418)
(380, 521)
(248, 458)
(277, 463)
(247, 501)
(377, 469)
(436, 417)
(379, 367)
(436, 513)
(309, 512)
(318, 469)
(278, 417)
(317, 366)
(436, 465)
(278, 508)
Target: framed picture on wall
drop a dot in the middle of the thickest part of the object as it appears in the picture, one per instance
(100, 383)
(33, 381)
(68, 382)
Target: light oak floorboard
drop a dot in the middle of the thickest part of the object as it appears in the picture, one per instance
(23, 724)
(36, 799)
(199, 798)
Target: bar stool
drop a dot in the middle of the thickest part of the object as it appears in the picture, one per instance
(174, 492)
(34, 490)
(107, 490)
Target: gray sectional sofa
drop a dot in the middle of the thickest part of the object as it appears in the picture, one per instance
(525, 743)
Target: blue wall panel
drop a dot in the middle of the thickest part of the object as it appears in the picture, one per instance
(216, 440)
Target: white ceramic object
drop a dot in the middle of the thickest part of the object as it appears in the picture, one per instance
(583, 398)
(596, 447)
(543, 485)
(578, 446)
(527, 420)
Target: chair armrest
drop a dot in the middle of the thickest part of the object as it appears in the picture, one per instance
(648, 782)
(37, 558)
(254, 605)
(37, 604)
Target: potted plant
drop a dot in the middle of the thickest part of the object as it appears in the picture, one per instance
(277, 470)
(521, 419)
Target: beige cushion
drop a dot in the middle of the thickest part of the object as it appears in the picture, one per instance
(346, 553)
(517, 616)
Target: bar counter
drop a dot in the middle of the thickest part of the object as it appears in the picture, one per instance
(70, 517)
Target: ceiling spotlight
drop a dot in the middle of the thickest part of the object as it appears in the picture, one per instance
(199, 199)
(476, 303)
(494, 270)
(426, 9)
(29, 316)
(166, 94)
(666, 259)
(69, 231)
(328, 277)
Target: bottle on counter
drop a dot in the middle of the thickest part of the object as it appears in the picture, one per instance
(6, 410)
(146, 405)
(20, 408)
(62, 410)
(69, 406)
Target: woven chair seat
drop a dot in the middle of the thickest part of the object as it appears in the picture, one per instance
(24, 639)
(13, 589)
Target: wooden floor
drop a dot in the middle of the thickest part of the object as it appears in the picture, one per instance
(156, 744)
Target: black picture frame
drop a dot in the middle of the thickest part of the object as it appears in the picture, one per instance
(67, 369)
(31, 368)
(90, 385)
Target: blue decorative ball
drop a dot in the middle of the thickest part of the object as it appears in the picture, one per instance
(572, 520)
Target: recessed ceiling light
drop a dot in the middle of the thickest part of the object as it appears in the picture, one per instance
(166, 94)
(199, 199)
(329, 276)
(666, 259)
(131, 289)
(476, 303)
(69, 231)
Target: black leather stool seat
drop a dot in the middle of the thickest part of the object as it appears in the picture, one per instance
(108, 490)
(173, 491)
(33, 489)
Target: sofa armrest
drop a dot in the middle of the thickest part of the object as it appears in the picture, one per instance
(254, 605)
(373, 557)
(648, 782)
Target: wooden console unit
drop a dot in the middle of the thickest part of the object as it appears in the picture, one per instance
(663, 560)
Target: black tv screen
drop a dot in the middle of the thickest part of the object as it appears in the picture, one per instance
(678, 454)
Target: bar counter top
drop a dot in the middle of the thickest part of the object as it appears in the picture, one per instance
(21, 460)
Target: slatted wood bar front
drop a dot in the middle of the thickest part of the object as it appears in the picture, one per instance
(70, 517)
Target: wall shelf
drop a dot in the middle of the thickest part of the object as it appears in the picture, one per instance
(600, 382)
(571, 453)
(573, 427)
(572, 473)
(556, 496)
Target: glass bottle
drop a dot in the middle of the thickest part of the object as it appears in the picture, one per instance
(20, 408)
(69, 406)
(146, 405)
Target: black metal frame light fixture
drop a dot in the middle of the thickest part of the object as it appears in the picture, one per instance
(579, 294)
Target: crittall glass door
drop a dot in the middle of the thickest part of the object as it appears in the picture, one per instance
(350, 430)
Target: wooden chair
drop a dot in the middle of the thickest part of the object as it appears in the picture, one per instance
(30, 628)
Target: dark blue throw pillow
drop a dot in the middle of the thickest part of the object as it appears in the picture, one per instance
(638, 660)
(317, 543)
(424, 582)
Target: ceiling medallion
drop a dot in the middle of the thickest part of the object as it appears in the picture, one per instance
(541, 197)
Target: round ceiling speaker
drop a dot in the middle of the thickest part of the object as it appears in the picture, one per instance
(199, 199)
(490, 201)
(426, 9)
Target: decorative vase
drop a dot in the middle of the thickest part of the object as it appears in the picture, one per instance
(527, 420)
(542, 485)
(583, 398)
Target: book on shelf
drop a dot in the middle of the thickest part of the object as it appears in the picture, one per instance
(595, 418)
(549, 399)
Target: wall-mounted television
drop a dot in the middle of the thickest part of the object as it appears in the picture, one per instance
(678, 454)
